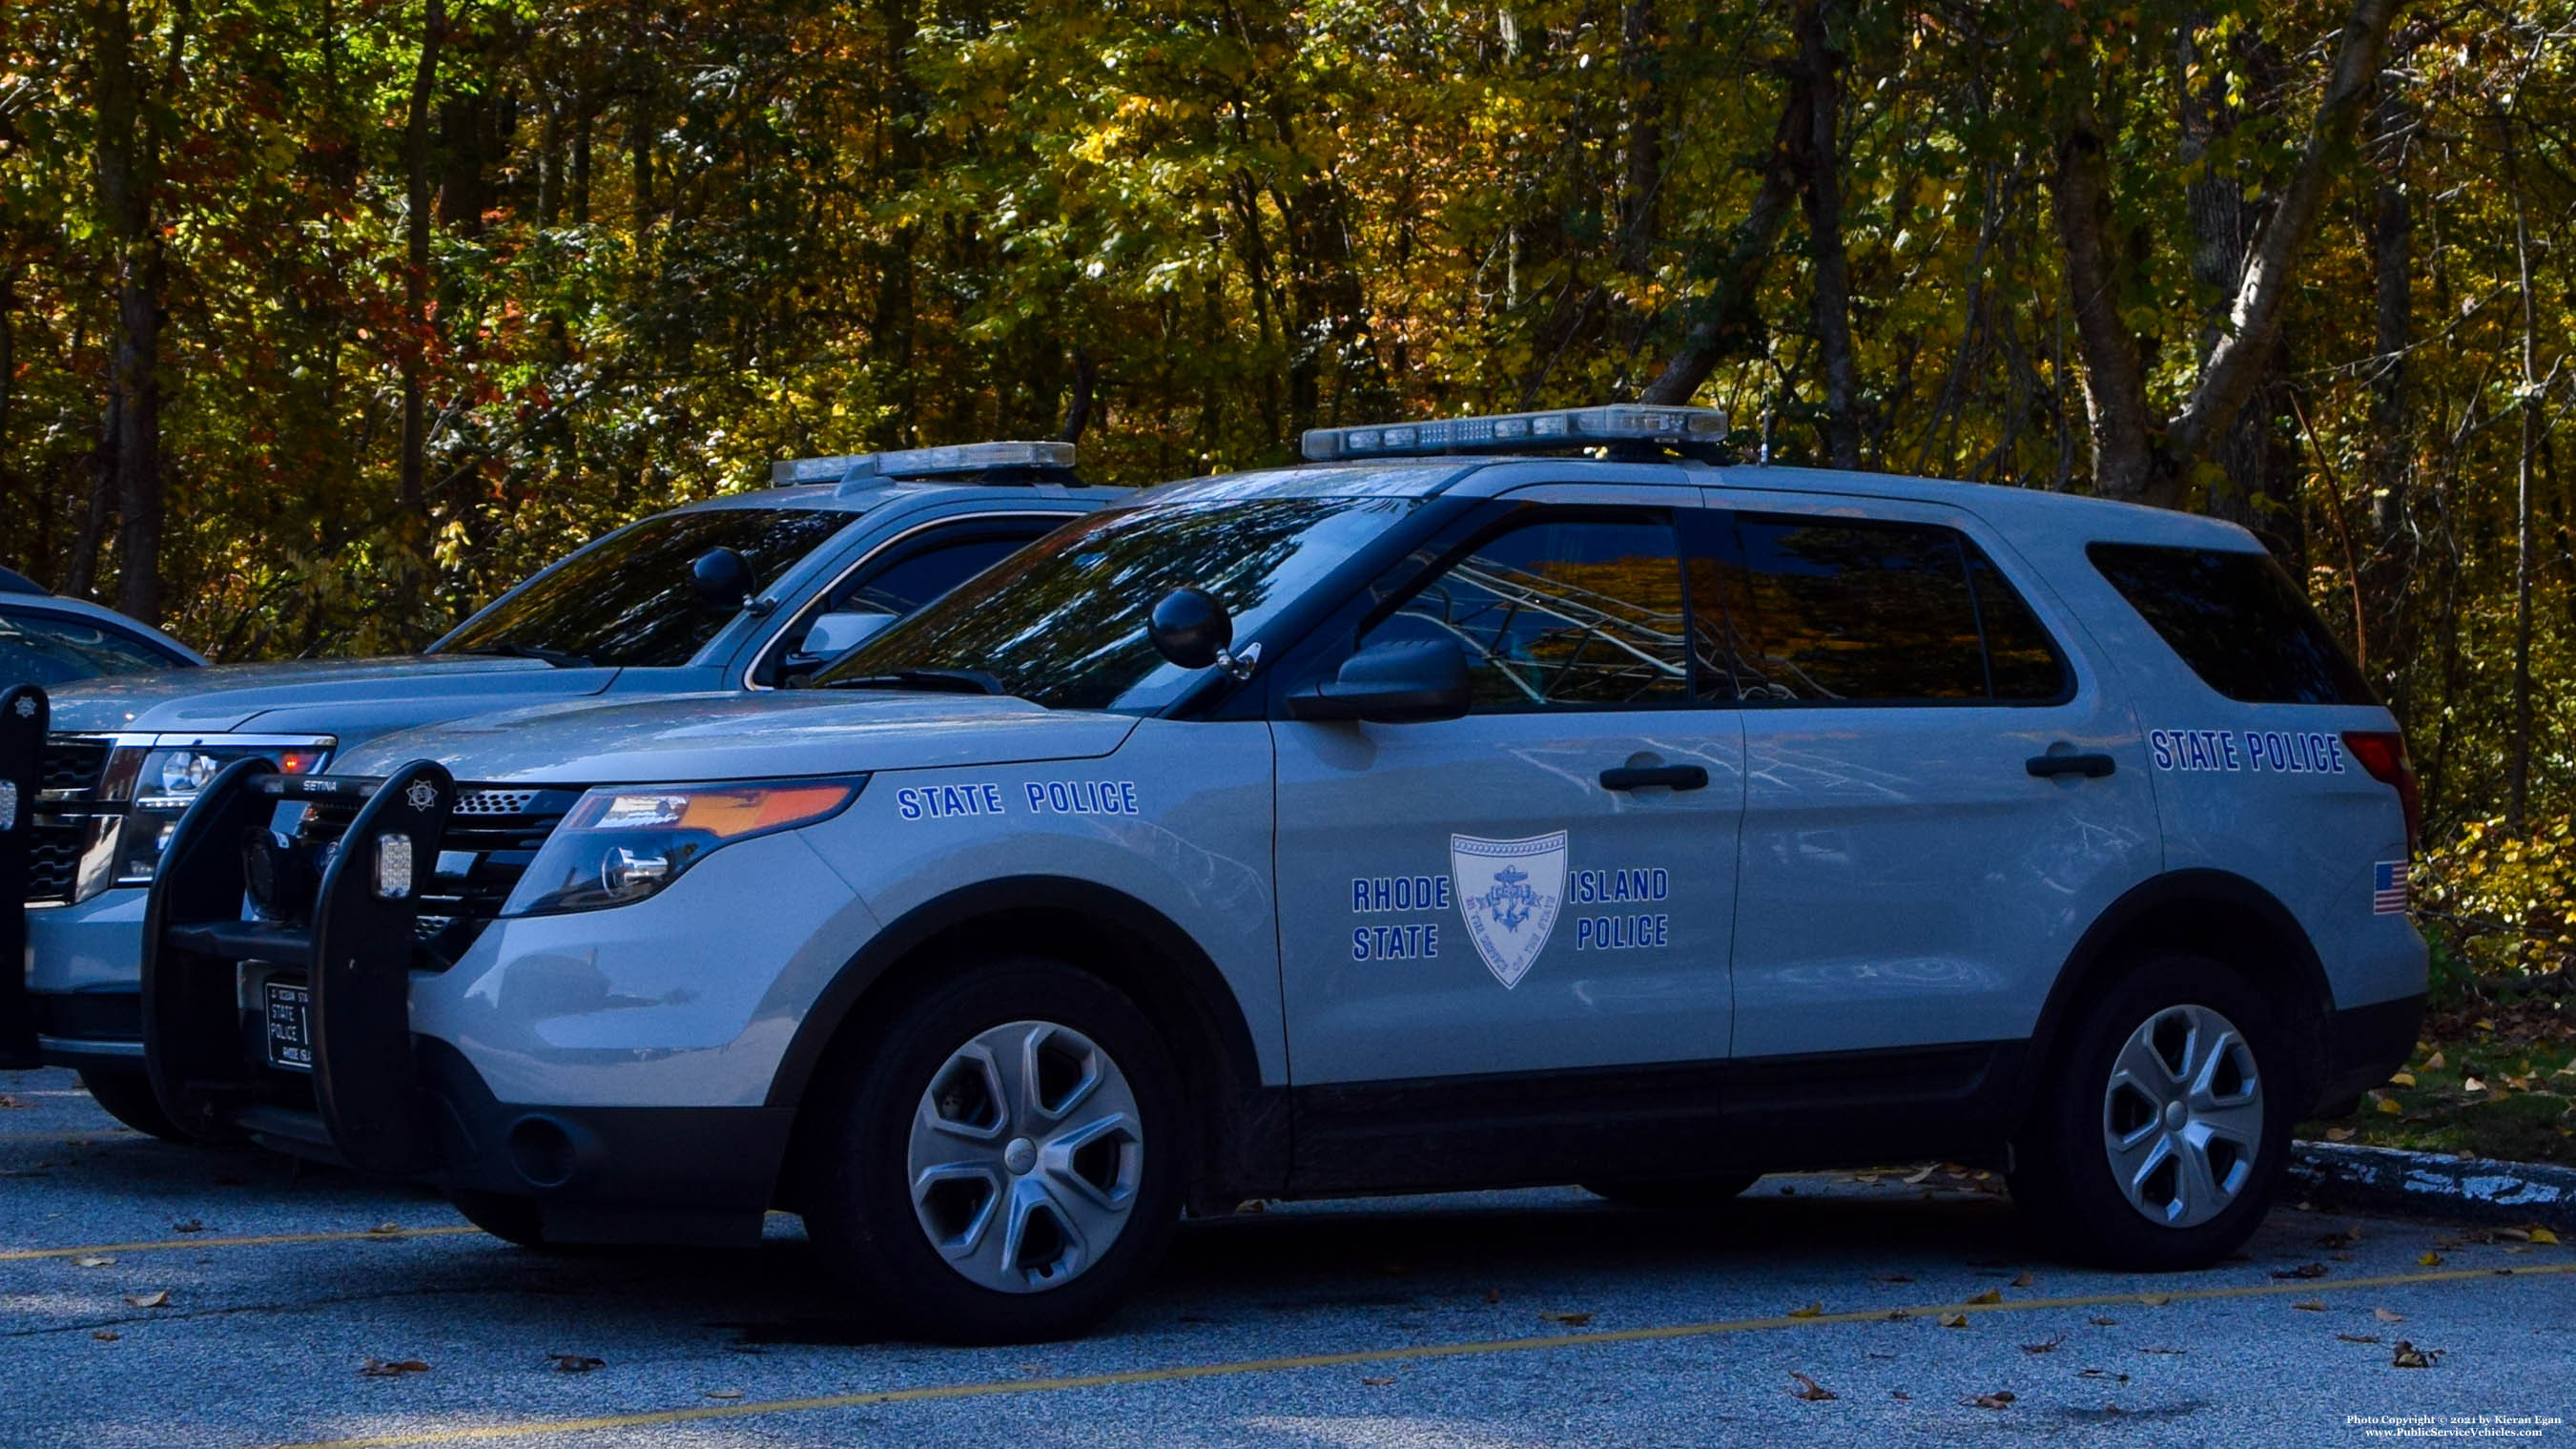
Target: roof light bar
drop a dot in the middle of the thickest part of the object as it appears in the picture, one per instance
(1519, 432)
(924, 462)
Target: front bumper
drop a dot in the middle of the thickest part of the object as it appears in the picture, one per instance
(378, 1097)
(84, 973)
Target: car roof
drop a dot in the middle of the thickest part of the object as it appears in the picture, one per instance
(1487, 475)
(14, 582)
(66, 608)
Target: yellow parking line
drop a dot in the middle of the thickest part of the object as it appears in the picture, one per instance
(1179, 1373)
(99, 1135)
(262, 1240)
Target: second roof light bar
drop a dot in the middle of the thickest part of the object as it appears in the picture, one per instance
(1685, 430)
(1010, 462)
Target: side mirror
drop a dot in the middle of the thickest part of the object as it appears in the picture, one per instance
(723, 578)
(1191, 628)
(1408, 682)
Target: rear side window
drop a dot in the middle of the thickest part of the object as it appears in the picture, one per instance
(2237, 619)
(1862, 612)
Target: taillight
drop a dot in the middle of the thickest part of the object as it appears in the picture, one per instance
(2383, 754)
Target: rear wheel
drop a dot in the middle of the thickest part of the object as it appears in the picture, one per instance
(2167, 1128)
(127, 1097)
(1002, 1163)
(1676, 1193)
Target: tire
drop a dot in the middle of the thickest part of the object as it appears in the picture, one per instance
(507, 1216)
(127, 1097)
(1676, 1193)
(1053, 1202)
(2202, 1186)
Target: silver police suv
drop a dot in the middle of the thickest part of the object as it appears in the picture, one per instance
(743, 592)
(1507, 800)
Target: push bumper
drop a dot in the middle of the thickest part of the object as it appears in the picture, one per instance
(377, 1097)
(23, 716)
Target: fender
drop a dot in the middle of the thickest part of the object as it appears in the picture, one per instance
(2087, 963)
(1248, 1147)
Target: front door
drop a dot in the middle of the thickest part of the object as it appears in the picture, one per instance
(1544, 886)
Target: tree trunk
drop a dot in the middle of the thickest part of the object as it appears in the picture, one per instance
(416, 223)
(1817, 155)
(2518, 760)
(1641, 66)
(1077, 409)
(1730, 321)
(2392, 555)
(127, 163)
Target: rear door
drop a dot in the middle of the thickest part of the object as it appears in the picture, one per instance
(1940, 793)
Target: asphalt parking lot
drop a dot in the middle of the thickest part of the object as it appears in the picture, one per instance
(1498, 1319)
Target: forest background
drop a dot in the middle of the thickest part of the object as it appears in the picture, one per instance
(322, 321)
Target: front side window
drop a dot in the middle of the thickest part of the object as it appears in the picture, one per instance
(627, 601)
(1564, 612)
(43, 648)
(1062, 622)
(1846, 611)
(2237, 619)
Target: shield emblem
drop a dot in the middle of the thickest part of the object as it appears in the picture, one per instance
(1509, 892)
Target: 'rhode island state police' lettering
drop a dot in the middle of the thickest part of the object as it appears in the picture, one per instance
(2278, 752)
(942, 802)
(1395, 943)
(1083, 797)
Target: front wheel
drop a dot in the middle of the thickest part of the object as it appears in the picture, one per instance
(128, 1097)
(2166, 1131)
(1004, 1155)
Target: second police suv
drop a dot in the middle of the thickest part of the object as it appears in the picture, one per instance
(743, 592)
(1457, 810)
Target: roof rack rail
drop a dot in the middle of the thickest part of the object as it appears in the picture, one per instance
(1691, 431)
(1009, 462)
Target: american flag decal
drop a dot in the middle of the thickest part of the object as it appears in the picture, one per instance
(2388, 888)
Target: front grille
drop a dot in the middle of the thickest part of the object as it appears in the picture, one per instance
(492, 836)
(73, 766)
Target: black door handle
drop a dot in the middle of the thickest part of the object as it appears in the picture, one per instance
(2091, 767)
(1637, 777)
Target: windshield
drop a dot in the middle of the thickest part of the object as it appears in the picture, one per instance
(627, 600)
(54, 649)
(1062, 622)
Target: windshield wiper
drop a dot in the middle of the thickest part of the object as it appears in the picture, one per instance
(932, 681)
(506, 650)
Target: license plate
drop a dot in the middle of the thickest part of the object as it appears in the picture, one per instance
(290, 1025)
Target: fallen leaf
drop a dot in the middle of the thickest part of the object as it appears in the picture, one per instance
(1954, 1320)
(2046, 1346)
(386, 1229)
(2543, 1235)
(2311, 1306)
(1900, 1394)
(1999, 1399)
(2390, 1106)
(1812, 1310)
(2155, 1300)
(191, 1225)
(2401, 1079)
(1379, 1383)
(105, 1335)
(158, 1298)
(2338, 1134)
(2304, 1270)
(1991, 1295)
(2409, 1356)
(1493, 1295)
(1918, 1179)
(2174, 1352)
(724, 1393)
(2386, 1315)
(1893, 1278)
(575, 1363)
(2344, 1239)
(2514, 1235)
(2100, 1322)
(1809, 1390)
(2025, 1280)
(2430, 1260)
(2096, 1373)
(92, 1262)
(1570, 1320)
(2467, 1084)
(379, 1368)
(2358, 1337)
(2435, 1062)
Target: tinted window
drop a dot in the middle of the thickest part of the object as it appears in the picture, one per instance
(38, 648)
(1838, 610)
(1560, 612)
(2237, 619)
(1062, 622)
(919, 577)
(627, 600)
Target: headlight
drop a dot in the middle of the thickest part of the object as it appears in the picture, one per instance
(623, 843)
(159, 782)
